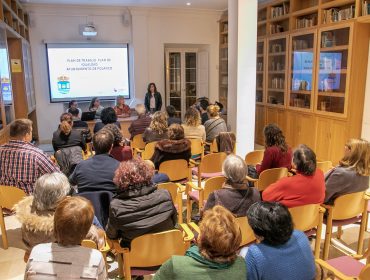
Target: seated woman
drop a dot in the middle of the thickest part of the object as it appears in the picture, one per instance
(96, 107)
(235, 194)
(307, 187)
(36, 212)
(139, 207)
(277, 153)
(281, 252)
(171, 112)
(121, 109)
(66, 258)
(157, 129)
(176, 147)
(65, 136)
(352, 173)
(192, 126)
(108, 115)
(215, 256)
(215, 124)
(119, 151)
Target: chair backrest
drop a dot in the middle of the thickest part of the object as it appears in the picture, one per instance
(176, 169)
(348, 206)
(156, 248)
(172, 189)
(305, 217)
(325, 166)
(138, 142)
(247, 232)
(87, 243)
(9, 196)
(365, 273)
(212, 163)
(197, 147)
(212, 184)
(269, 176)
(213, 148)
(148, 150)
(254, 157)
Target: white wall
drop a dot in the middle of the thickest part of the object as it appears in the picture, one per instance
(366, 118)
(150, 30)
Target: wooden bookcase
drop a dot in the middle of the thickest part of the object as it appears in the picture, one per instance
(223, 60)
(314, 72)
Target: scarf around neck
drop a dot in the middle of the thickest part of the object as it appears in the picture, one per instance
(194, 253)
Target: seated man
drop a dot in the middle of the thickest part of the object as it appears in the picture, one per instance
(96, 173)
(80, 125)
(143, 121)
(21, 163)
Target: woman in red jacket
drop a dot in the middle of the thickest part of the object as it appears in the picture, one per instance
(277, 153)
(307, 187)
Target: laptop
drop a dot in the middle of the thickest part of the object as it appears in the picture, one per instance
(88, 116)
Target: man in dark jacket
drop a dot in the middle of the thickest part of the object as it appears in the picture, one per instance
(96, 173)
(143, 121)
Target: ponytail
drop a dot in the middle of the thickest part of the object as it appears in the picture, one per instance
(65, 127)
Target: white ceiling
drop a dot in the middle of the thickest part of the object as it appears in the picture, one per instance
(195, 4)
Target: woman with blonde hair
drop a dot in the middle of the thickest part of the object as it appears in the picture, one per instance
(65, 136)
(157, 129)
(215, 124)
(352, 173)
(214, 256)
(192, 126)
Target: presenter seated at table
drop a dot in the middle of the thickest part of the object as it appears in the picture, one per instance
(122, 110)
(153, 99)
(73, 105)
(96, 107)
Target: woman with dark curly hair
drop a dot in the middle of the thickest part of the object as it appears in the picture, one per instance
(282, 252)
(139, 207)
(108, 115)
(215, 256)
(277, 153)
(307, 187)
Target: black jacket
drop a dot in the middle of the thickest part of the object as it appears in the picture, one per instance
(137, 211)
(158, 101)
(60, 140)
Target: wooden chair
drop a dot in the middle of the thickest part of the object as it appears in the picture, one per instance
(309, 219)
(210, 166)
(347, 209)
(152, 250)
(200, 194)
(176, 190)
(325, 166)
(176, 170)
(197, 149)
(267, 177)
(137, 143)
(147, 152)
(254, 157)
(89, 151)
(91, 244)
(9, 196)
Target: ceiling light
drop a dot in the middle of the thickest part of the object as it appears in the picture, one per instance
(188, 4)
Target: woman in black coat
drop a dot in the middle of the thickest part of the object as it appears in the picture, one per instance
(155, 104)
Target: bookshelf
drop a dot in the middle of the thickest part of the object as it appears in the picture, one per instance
(223, 59)
(260, 73)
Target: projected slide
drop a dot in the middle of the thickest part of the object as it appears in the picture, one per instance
(80, 71)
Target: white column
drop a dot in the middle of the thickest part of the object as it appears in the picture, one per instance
(242, 16)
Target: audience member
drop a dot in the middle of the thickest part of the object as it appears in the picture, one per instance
(139, 207)
(215, 124)
(203, 105)
(307, 187)
(176, 147)
(80, 125)
(97, 172)
(108, 115)
(21, 163)
(72, 105)
(215, 256)
(153, 99)
(235, 194)
(121, 109)
(143, 121)
(277, 153)
(171, 112)
(352, 173)
(36, 212)
(192, 126)
(119, 151)
(66, 258)
(96, 107)
(65, 136)
(157, 129)
(281, 252)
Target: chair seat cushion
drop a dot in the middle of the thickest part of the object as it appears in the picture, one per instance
(347, 265)
(206, 175)
(337, 223)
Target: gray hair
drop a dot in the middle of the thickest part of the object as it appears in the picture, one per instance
(140, 109)
(234, 169)
(49, 190)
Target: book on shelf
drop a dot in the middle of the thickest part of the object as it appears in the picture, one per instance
(306, 22)
(279, 11)
(365, 8)
(339, 14)
(276, 28)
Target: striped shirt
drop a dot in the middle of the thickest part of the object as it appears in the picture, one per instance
(21, 164)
